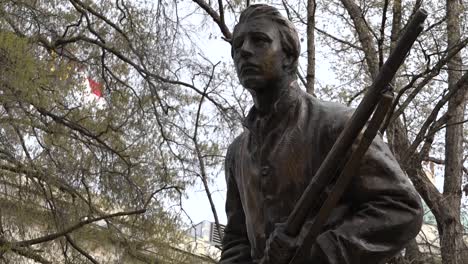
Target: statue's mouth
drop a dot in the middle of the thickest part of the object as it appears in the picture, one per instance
(249, 68)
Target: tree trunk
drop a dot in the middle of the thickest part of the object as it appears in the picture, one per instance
(365, 36)
(452, 244)
(311, 7)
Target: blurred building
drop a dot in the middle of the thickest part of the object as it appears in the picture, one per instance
(205, 239)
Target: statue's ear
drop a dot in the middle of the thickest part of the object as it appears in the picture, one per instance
(288, 60)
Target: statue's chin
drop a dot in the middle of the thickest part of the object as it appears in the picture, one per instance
(255, 83)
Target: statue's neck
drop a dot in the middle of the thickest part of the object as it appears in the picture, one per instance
(264, 99)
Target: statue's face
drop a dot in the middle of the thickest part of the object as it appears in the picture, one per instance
(258, 54)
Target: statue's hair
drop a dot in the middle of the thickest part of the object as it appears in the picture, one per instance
(288, 34)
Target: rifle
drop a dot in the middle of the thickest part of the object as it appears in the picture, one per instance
(378, 98)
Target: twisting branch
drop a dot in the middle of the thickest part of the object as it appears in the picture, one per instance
(429, 138)
(217, 19)
(203, 174)
(68, 230)
(79, 249)
(82, 130)
(429, 75)
(342, 41)
(380, 40)
(289, 8)
(462, 83)
(442, 162)
(29, 253)
(165, 187)
(221, 11)
(144, 73)
(310, 77)
(83, 9)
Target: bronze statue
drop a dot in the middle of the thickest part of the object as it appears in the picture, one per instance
(287, 135)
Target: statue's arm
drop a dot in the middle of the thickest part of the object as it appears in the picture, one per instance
(236, 245)
(386, 213)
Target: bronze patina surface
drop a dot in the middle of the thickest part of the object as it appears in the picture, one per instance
(287, 135)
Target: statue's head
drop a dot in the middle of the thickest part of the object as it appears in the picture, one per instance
(265, 47)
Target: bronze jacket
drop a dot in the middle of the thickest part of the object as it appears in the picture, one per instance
(270, 164)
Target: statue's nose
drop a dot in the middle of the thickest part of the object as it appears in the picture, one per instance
(246, 48)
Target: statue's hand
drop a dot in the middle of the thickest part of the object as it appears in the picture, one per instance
(280, 247)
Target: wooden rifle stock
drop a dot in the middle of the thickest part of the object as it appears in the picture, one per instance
(339, 154)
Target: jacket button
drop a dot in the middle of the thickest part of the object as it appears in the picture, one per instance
(265, 170)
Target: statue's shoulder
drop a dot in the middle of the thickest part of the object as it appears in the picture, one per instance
(330, 113)
(234, 146)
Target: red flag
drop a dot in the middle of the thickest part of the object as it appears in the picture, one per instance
(96, 88)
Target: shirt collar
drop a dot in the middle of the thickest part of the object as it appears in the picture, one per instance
(286, 100)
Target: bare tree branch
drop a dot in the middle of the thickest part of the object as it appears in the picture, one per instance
(83, 252)
(381, 39)
(442, 162)
(68, 230)
(217, 19)
(29, 253)
(310, 77)
(430, 74)
(461, 84)
(342, 41)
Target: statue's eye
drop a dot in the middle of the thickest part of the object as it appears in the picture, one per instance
(260, 39)
(238, 43)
